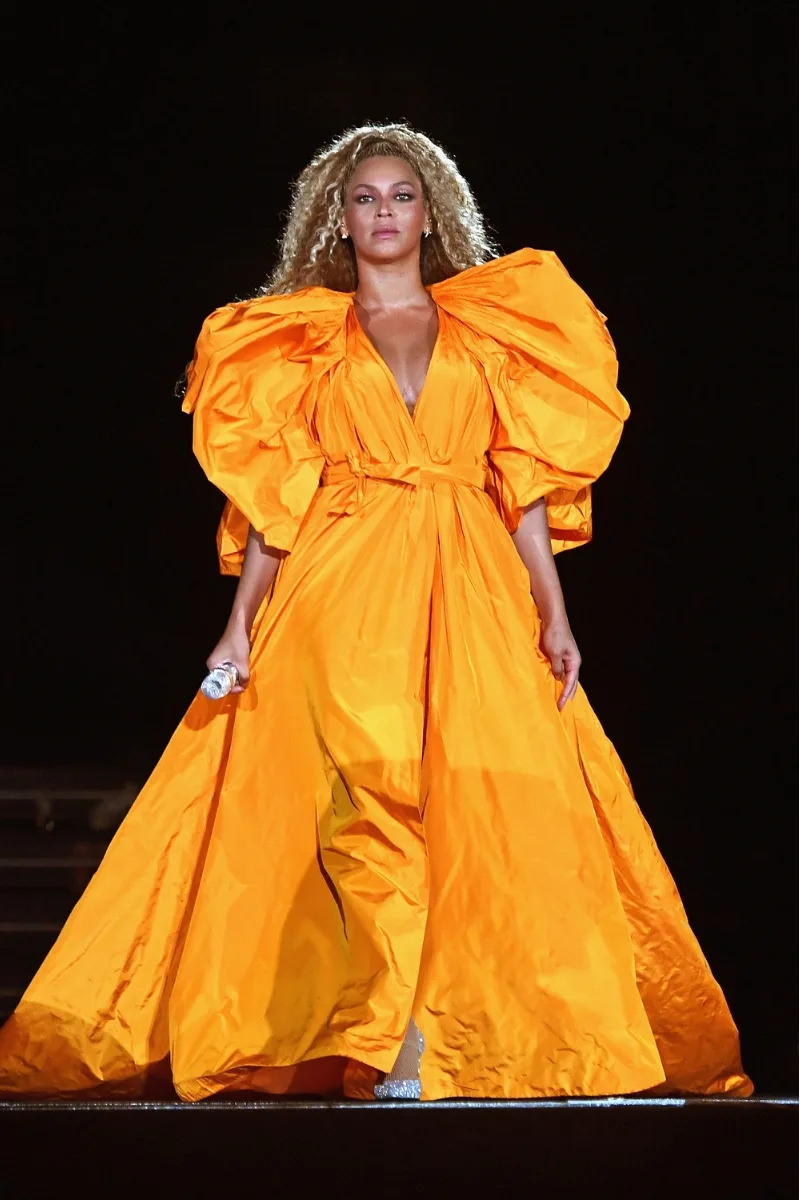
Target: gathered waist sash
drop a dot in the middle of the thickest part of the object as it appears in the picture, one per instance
(404, 472)
(422, 474)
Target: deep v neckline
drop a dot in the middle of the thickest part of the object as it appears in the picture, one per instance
(411, 417)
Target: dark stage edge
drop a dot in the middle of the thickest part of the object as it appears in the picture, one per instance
(608, 1146)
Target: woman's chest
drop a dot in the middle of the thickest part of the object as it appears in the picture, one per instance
(360, 405)
(405, 341)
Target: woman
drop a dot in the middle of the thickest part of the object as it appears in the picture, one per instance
(404, 829)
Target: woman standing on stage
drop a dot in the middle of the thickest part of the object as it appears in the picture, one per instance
(404, 830)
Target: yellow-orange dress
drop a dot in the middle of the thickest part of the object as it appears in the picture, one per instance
(394, 818)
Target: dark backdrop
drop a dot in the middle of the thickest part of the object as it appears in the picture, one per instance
(656, 156)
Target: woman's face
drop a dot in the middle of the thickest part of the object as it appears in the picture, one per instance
(384, 211)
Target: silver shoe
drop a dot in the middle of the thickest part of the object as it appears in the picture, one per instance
(400, 1089)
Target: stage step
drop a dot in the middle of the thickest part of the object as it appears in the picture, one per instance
(55, 826)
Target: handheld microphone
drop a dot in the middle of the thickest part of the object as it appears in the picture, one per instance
(220, 681)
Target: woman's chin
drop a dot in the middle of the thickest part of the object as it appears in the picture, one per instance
(387, 250)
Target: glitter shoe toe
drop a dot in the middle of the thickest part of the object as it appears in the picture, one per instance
(398, 1089)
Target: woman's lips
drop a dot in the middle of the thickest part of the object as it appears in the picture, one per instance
(385, 233)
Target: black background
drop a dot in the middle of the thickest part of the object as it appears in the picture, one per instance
(655, 153)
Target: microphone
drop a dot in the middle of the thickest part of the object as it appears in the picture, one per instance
(220, 681)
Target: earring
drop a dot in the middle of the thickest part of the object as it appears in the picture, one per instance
(426, 233)
(345, 235)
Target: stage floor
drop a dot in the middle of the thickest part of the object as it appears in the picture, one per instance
(610, 1146)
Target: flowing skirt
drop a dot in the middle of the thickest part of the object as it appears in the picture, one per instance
(393, 821)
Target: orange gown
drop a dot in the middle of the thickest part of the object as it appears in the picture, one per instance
(394, 818)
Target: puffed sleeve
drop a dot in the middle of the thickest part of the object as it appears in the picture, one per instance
(253, 366)
(552, 370)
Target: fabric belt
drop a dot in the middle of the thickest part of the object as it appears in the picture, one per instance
(423, 474)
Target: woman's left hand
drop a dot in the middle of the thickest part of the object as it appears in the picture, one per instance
(559, 646)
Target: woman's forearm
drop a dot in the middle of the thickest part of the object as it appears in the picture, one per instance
(259, 568)
(532, 540)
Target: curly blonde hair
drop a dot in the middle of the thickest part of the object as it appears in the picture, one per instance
(312, 252)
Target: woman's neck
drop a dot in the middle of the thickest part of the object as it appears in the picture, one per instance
(390, 285)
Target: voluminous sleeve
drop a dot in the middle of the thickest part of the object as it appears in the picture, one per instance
(247, 385)
(552, 369)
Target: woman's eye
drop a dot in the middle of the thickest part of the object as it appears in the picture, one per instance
(398, 196)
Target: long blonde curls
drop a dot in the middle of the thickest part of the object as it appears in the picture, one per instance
(312, 251)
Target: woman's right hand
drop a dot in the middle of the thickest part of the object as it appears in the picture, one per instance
(234, 647)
